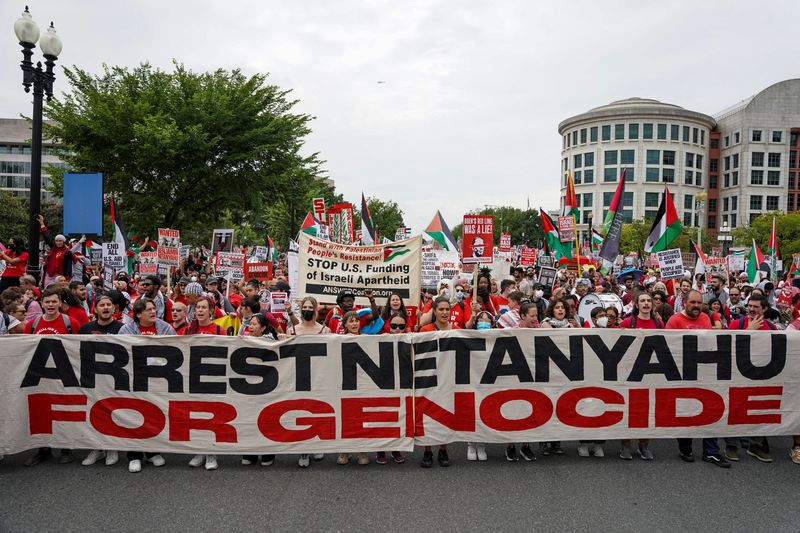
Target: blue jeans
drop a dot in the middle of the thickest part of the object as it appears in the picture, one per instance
(710, 446)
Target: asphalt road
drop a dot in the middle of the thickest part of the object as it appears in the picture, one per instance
(555, 493)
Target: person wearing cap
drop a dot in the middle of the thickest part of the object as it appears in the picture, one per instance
(59, 259)
(192, 292)
(212, 289)
(177, 290)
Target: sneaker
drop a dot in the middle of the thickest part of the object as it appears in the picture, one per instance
(598, 451)
(343, 459)
(318, 456)
(687, 456)
(758, 451)
(380, 458)
(246, 461)
(625, 453)
(527, 453)
(511, 454)
(134, 466)
(363, 459)
(303, 461)
(544, 448)
(444, 459)
(157, 460)
(267, 460)
(66, 457)
(427, 459)
(794, 453)
(197, 460)
(211, 462)
(481, 448)
(40, 455)
(472, 455)
(112, 457)
(731, 453)
(93, 457)
(716, 459)
(645, 453)
(583, 450)
(398, 457)
(556, 448)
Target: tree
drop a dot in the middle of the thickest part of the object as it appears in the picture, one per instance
(634, 235)
(387, 216)
(760, 229)
(180, 149)
(13, 217)
(524, 225)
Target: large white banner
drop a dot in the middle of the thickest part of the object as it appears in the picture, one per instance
(339, 393)
(327, 267)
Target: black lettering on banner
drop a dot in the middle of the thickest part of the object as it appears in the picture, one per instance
(720, 357)
(462, 346)
(666, 363)
(38, 369)
(382, 374)
(546, 350)
(90, 366)
(405, 365)
(267, 373)
(199, 369)
(610, 358)
(425, 363)
(143, 371)
(744, 361)
(303, 354)
(517, 367)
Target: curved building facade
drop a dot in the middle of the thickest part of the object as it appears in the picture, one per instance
(654, 142)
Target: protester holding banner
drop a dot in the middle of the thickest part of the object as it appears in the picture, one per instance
(16, 258)
(145, 321)
(395, 307)
(715, 314)
(203, 321)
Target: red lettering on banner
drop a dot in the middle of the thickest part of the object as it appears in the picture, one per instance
(713, 406)
(461, 419)
(354, 417)
(322, 427)
(409, 418)
(567, 404)
(639, 408)
(102, 419)
(41, 414)
(740, 405)
(492, 416)
(181, 422)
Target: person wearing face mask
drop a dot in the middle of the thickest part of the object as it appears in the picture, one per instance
(599, 317)
(16, 257)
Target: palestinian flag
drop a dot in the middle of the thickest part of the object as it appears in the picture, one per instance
(552, 239)
(613, 224)
(271, 251)
(754, 263)
(700, 263)
(570, 200)
(597, 240)
(310, 225)
(439, 232)
(616, 205)
(394, 250)
(772, 250)
(120, 235)
(666, 226)
(368, 236)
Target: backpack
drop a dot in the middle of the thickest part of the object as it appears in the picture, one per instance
(658, 323)
(65, 318)
(740, 322)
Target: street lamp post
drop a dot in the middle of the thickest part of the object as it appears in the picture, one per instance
(725, 238)
(700, 204)
(41, 80)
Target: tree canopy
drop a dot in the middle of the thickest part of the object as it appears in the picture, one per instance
(182, 149)
(760, 229)
(524, 225)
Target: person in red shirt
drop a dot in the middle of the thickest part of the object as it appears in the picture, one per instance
(692, 317)
(145, 321)
(179, 321)
(203, 324)
(16, 257)
(51, 322)
(70, 305)
(486, 300)
(59, 259)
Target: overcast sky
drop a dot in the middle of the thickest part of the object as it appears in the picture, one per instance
(473, 91)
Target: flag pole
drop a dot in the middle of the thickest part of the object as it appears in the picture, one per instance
(577, 246)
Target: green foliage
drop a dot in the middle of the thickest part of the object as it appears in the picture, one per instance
(184, 150)
(524, 225)
(13, 217)
(386, 216)
(635, 234)
(787, 227)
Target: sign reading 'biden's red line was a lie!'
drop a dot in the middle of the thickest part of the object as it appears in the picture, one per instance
(336, 393)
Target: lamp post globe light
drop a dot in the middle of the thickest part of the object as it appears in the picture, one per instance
(41, 80)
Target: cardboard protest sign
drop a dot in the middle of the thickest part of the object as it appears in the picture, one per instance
(547, 276)
(527, 257)
(318, 207)
(736, 263)
(96, 255)
(438, 265)
(108, 278)
(169, 241)
(478, 239)
(261, 271)
(566, 228)
(261, 252)
(546, 261)
(327, 267)
(293, 265)
(505, 242)
(114, 256)
(229, 265)
(716, 265)
(222, 241)
(183, 252)
(341, 222)
(670, 263)
(278, 302)
(148, 263)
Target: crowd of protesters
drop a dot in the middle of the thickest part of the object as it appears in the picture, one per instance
(72, 299)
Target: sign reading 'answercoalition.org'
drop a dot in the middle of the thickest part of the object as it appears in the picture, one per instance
(327, 267)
